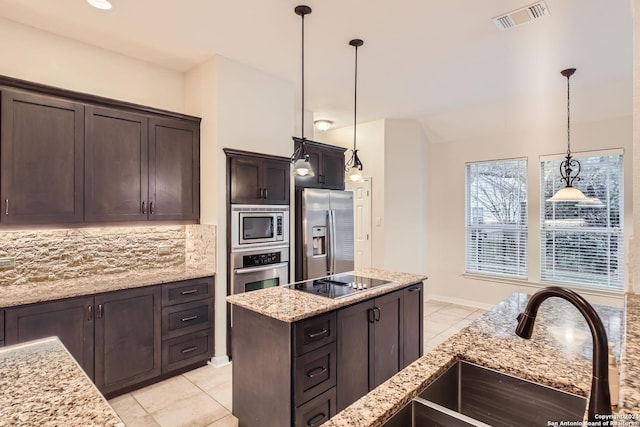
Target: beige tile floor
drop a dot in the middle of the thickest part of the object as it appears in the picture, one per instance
(202, 397)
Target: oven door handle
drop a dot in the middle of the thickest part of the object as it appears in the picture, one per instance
(257, 269)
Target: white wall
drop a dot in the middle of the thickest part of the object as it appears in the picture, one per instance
(398, 187)
(405, 193)
(241, 108)
(42, 57)
(447, 205)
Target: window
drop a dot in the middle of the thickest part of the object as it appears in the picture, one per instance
(496, 218)
(581, 243)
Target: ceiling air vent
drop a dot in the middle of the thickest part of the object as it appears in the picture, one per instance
(521, 16)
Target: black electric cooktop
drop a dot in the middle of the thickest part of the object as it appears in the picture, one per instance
(339, 285)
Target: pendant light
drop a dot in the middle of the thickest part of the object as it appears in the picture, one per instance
(353, 167)
(569, 168)
(300, 157)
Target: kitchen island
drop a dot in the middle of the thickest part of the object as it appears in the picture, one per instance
(42, 385)
(554, 356)
(298, 358)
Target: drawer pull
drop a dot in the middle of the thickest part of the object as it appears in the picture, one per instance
(188, 319)
(414, 289)
(315, 335)
(189, 292)
(315, 420)
(317, 371)
(189, 349)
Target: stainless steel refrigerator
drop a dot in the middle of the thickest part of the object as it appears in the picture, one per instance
(324, 233)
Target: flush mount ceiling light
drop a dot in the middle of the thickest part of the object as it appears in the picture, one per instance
(323, 124)
(100, 4)
(300, 158)
(569, 168)
(353, 166)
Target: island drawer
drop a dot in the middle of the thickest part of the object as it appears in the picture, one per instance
(314, 373)
(313, 333)
(186, 291)
(182, 319)
(317, 410)
(186, 350)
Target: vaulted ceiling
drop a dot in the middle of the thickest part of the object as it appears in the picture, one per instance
(443, 63)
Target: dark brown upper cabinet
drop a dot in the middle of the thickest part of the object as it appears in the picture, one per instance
(140, 168)
(258, 179)
(116, 166)
(327, 162)
(174, 169)
(41, 155)
(68, 157)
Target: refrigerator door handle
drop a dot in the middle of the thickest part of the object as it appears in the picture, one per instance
(332, 241)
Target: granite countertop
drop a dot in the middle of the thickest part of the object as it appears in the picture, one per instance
(491, 341)
(42, 385)
(290, 305)
(48, 291)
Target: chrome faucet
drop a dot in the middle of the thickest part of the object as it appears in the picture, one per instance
(600, 399)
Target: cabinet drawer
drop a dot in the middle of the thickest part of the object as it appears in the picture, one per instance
(182, 319)
(317, 410)
(314, 333)
(314, 373)
(186, 350)
(186, 291)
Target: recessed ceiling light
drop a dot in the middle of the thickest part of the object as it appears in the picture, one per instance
(100, 4)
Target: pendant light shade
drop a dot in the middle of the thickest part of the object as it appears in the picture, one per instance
(353, 166)
(300, 158)
(570, 167)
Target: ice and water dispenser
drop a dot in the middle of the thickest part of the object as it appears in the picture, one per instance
(319, 237)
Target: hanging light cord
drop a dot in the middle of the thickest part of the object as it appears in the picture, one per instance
(302, 106)
(355, 98)
(568, 116)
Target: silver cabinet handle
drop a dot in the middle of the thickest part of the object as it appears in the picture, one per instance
(189, 292)
(189, 349)
(100, 311)
(321, 333)
(317, 371)
(6, 206)
(151, 208)
(143, 211)
(414, 289)
(188, 319)
(90, 313)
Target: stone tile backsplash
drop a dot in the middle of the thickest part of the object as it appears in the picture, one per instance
(47, 255)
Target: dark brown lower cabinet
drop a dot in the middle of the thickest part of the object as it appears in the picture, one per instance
(370, 345)
(71, 320)
(302, 373)
(413, 326)
(127, 338)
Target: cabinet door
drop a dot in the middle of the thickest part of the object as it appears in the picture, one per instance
(276, 179)
(333, 169)
(413, 326)
(387, 341)
(115, 165)
(127, 337)
(315, 181)
(174, 169)
(355, 330)
(71, 320)
(41, 155)
(246, 180)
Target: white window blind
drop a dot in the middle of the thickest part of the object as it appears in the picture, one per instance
(581, 243)
(496, 218)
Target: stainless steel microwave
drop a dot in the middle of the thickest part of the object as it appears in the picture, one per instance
(254, 226)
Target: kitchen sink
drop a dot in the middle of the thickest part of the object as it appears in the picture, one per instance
(470, 395)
